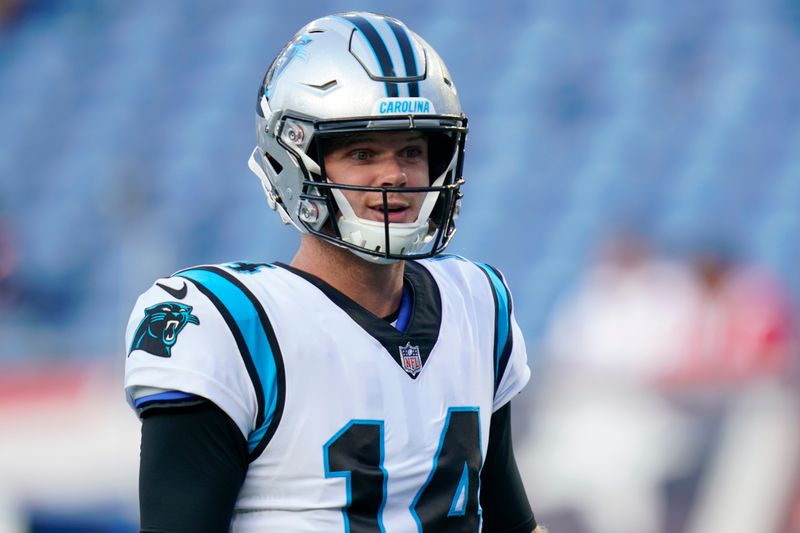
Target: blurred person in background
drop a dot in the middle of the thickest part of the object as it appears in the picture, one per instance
(604, 436)
(741, 326)
(627, 317)
(671, 393)
(736, 381)
(366, 386)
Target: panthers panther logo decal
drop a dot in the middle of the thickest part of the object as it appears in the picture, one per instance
(160, 326)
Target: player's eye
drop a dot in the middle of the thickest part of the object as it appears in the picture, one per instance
(360, 155)
(413, 152)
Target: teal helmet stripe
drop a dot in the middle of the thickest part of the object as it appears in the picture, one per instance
(257, 344)
(378, 48)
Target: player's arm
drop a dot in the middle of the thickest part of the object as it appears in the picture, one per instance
(503, 499)
(193, 463)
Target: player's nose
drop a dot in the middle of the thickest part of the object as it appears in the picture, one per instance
(392, 173)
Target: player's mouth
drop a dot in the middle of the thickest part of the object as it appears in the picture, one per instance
(396, 212)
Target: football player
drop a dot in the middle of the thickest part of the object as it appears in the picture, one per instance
(365, 386)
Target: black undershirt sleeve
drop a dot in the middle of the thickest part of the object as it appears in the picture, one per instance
(503, 499)
(193, 463)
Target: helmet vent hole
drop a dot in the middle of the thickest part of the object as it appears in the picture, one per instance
(448, 82)
(277, 167)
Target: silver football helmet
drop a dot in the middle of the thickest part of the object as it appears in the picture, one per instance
(352, 73)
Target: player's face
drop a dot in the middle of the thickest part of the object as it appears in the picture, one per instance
(381, 159)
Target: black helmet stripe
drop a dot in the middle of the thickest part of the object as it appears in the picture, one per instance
(379, 47)
(409, 61)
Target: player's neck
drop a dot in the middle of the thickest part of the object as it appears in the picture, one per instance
(377, 288)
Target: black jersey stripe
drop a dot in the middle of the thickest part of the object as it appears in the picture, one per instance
(503, 334)
(379, 48)
(409, 61)
(280, 371)
(237, 305)
(505, 354)
(240, 344)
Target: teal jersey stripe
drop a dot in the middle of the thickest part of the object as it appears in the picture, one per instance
(503, 316)
(246, 320)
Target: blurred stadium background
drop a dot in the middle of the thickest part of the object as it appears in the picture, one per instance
(633, 167)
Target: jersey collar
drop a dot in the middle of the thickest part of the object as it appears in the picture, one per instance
(424, 322)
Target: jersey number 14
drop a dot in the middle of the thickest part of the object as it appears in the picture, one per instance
(447, 501)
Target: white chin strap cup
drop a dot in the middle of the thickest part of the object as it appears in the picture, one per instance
(405, 238)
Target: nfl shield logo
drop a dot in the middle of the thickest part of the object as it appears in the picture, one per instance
(410, 358)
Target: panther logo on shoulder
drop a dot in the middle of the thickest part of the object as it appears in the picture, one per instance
(159, 329)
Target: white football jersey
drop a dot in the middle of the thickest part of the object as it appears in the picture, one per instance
(352, 424)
